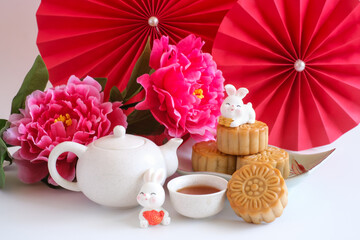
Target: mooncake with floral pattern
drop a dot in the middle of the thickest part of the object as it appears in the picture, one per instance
(257, 193)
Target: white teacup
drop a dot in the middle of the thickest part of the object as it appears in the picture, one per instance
(200, 205)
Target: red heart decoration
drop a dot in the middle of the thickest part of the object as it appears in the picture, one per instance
(153, 217)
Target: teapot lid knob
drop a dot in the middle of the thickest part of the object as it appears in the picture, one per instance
(119, 140)
(119, 131)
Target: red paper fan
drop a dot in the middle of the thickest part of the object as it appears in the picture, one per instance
(104, 38)
(300, 60)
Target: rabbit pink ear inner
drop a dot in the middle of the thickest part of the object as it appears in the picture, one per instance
(230, 89)
(148, 175)
(159, 175)
(241, 92)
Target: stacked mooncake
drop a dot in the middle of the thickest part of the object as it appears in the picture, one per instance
(256, 191)
(236, 147)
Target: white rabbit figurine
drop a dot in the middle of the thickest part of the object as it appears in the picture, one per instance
(234, 108)
(152, 197)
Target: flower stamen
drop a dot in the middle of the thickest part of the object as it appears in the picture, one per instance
(199, 93)
(65, 119)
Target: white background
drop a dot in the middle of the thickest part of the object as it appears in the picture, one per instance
(323, 204)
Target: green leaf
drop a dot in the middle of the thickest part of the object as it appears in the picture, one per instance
(102, 82)
(35, 79)
(141, 67)
(143, 123)
(4, 154)
(4, 124)
(115, 95)
(151, 71)
(2, 175)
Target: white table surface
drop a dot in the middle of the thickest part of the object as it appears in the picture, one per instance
(323, 204)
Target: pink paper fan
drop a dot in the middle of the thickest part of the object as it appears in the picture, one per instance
(300, 60)
(104, 38)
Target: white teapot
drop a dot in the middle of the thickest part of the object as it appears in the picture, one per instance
(110, 170)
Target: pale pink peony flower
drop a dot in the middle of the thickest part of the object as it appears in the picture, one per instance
(186, 90)
(73, 112)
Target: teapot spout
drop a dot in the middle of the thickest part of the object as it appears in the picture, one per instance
(169, 152)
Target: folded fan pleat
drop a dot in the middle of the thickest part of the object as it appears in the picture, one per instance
(104, 38)
(256, 47)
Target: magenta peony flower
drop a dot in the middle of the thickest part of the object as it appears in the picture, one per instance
(186, 90)
(73, 112)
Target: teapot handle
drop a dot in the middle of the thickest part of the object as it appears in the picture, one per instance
(74, 147)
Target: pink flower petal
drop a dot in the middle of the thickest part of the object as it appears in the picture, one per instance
(186, 90)
(58, 129)
(29, 172)
(73, 112)
(159, 47)
(11, 136)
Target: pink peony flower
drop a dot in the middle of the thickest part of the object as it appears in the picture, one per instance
(73, 112)
(186, 90)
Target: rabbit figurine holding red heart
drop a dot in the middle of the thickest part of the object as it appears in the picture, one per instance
(152, 197)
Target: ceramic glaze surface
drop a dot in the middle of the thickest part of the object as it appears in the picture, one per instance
(103, 179)
(110, 170)
(197, 206)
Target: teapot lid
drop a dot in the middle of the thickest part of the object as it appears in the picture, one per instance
(119, 140)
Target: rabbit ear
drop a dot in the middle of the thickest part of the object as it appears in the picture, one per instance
(148, 175)
(230, 89)
(158, 176)
(241, 92)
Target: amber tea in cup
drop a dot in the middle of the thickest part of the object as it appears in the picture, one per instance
(197, 195)
(198, 190)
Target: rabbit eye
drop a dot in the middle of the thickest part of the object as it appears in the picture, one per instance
(142, 193)
(153, 193)
(228, 104)
(238, 105)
